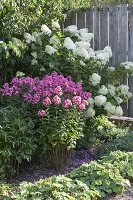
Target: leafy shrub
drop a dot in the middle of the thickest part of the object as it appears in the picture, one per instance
(90, 181)
(20, 16)
(122, 142)
(100, 130)
(17, 142)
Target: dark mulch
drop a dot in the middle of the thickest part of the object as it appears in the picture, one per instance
(33, 172)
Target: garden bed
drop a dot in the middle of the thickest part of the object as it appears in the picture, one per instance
(33, 172)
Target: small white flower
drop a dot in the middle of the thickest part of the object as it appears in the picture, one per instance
(108, 50)
(55, 25)
(82, 63)
(83, 30)
(118, 100)
(111, 69)
(69, 44)
(86, 37)
(81, 52)
(91, 112)
(50, 50)
(110, 109)
(104, 57)
(34, 62)
(111, 90)
(103, 90)
(91, 102)
(71, 29)
(127, 65)
(95, 79)
(118, 111)
(54, 41)
(45, 30)
(29, 38)
(82, 44)
(34, 54)
(100, 100)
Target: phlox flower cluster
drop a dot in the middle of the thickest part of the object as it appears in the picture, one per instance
(51, 90)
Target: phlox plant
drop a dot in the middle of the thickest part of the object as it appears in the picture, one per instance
(57, 105)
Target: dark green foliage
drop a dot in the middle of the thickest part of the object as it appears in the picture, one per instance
(16, 139)
(20, 16)
(100, 130)
(122, 142)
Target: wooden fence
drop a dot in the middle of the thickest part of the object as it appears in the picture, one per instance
(113, 26)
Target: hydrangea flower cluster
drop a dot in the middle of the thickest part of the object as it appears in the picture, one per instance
(79, 48)
(54, 89)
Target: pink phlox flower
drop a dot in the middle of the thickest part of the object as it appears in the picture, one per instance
(41, 113)
(56, 100)
(81, 106)
(47, 101)
(58, 90)
(85, 102)
(77, 100)
(67, 103)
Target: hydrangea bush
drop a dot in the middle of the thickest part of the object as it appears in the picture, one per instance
(69, 52)
(57, 106)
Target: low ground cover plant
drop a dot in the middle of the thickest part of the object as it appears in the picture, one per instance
(89, 181)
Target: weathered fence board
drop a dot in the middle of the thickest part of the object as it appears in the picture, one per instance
(123, 31)
(104, 29)
(113, 33)
(111, 26)
(89, 22)
(81, 19)
(96, 29)
(130, 56)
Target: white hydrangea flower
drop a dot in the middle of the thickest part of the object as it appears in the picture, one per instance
(111, 69)
(95, 79)
(118, 100)
(54, 41)
(45, 30)
(69, 44)
(82, 44)
(83, 30)
(104, 57)
(127, 65)
(91, 102)
(34, 62)
(118, 111)
(82, 63)
(122, 89)
(108, 50)
(110, 109)
(71, 29)
(100, 100)
(112, 90)
(50, 50)
(103, 90)
(34, 54)
(129, 95)
(91, 112)
(29, 38)
(55, 25)
(86, 37)
(81, 52)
